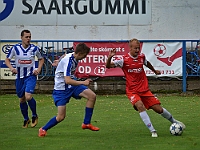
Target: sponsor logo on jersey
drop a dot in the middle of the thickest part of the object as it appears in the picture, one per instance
(25, 61)
(137, 70)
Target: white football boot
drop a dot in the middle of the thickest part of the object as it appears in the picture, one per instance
(154, 134)
(182, 124)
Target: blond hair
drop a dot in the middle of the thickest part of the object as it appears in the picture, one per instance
(134, 39)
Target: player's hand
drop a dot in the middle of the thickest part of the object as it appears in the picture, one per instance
(87, 82)
(157, 72)
(36, 72)
(55, 63)
(14, 71)
(112, 52)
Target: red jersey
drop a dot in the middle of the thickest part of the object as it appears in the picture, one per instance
(136, 80)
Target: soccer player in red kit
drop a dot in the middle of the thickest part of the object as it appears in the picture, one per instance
(137, 89)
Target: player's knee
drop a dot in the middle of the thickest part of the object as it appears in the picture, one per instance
(158, 109)
(139, 106)
(92, 97)
(28, 97)
(22, 99)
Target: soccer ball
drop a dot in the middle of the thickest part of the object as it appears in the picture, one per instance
(176, 129)
(159, 50)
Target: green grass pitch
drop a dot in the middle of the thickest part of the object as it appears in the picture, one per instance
(120, 125)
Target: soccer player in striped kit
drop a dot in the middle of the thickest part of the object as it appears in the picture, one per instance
(67, 86)
(137, 89)
(26, 74)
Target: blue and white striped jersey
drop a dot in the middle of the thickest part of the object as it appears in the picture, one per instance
(66, 67)
(24, 59)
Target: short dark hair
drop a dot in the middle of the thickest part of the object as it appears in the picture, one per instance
(25, 31)
(82, 48)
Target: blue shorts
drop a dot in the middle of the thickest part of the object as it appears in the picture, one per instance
(62, 97)
(26, 84)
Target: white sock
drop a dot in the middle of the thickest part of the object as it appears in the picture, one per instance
(145, 118)
(168, 116)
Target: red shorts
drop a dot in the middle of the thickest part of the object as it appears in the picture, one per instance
(147, 98)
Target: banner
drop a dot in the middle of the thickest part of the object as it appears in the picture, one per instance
(94, 63)
(166, 57)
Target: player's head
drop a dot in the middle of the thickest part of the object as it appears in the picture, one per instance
(81, 51)
(134, 46)
(26, 37)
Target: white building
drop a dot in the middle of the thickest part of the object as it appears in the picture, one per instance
(101, 19)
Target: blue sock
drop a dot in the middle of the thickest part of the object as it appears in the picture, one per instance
(88, 115)
(24, 110)
(50, 124)
(32, 105)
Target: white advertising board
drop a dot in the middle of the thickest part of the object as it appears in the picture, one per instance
(75, 12)
(164, 56)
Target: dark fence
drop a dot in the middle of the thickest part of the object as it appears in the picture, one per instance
(53, 49)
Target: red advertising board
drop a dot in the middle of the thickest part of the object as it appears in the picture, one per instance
(94, 63)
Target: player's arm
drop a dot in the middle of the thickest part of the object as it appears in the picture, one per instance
(41, 62)
(55, 62)
(110, 64)
(7, 61)
(149, 65)
(8, 64)
(69, 80)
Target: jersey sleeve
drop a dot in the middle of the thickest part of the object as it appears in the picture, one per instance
(145, 60)
(38, 54)
(119, 62)
(67, 67)
(11, 53)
